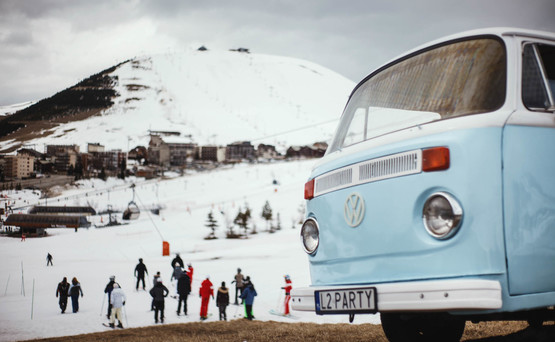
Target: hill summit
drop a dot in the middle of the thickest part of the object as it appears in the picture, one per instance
(215, 97)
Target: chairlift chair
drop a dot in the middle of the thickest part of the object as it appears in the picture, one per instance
(132, 212)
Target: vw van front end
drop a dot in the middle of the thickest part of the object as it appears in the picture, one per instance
(405, 212)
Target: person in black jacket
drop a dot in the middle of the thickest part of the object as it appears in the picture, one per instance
(108, 290)
(63, 291)
(140, 271)
(222, 301)
(177, 261)
(183, 290)
(74, 291)
(158, 293)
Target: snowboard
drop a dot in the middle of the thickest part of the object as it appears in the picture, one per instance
(277, 313)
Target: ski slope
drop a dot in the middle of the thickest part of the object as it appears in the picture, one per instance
(94, 254)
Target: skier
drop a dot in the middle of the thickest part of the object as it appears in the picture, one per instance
(158, 293)
(222, 301)
(288, 286)
(108, 290)
(248, 295)
(177, 272)
(190, 272)
(177, 261)
(74, 291)
(206, 291)
(154, 282)
(117, 301)
(239, 283)
(155, 278)
(49, 260)
(183, 290)
(140, 271)
(63, 292)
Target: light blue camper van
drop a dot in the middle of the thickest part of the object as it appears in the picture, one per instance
(435, 202)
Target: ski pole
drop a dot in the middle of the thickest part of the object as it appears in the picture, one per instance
(125, 313)
(236, 309)
(102, 308)
(6, 291)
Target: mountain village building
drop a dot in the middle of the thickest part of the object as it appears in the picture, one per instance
(18, 166)
(211, 153)
(239, 151)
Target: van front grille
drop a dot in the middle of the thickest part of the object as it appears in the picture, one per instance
(395, 165)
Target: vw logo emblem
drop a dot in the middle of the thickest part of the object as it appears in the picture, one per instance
(354, 209)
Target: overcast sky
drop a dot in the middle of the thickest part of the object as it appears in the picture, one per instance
(49, 45)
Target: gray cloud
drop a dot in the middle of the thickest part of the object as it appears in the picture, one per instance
(51, 44)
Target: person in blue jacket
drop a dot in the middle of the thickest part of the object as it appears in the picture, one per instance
(248, 297)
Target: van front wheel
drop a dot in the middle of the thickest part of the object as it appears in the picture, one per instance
(434, 327)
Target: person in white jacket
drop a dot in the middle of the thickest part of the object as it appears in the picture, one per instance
(117, 299)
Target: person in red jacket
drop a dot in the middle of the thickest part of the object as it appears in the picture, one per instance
(206, 291)
(190, 272)
(288, 286)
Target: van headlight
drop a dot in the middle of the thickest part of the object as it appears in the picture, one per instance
(310, 235)
(442, 215)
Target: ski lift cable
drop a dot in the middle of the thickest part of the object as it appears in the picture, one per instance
(296, 129)
(149, 216)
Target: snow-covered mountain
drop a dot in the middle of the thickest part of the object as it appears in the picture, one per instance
(217, 97)
(7, 110)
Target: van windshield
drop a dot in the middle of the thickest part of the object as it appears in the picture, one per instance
(461, 78)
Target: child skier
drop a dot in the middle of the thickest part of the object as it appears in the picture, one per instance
(288, 286)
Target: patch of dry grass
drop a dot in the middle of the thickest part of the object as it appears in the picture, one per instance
(243, 330)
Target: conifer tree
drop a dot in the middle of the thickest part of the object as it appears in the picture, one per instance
(267, 214)
(242, 220)
(212, 224)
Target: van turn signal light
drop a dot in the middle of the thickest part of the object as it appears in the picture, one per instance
(435, 159)
(309, 189)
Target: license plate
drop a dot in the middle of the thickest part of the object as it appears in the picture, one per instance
(362, 300)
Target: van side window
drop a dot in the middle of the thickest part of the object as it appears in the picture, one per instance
(538, 76)
(461, 78)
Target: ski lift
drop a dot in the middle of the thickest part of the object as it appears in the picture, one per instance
(132, 212)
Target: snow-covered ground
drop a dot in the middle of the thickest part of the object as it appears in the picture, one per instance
(94, 254)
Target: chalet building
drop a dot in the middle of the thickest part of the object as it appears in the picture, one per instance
(146, 172)
(239, 151)
(18, 166)
(266, 152)
(138, 153)
(314, 151)
(211, 153)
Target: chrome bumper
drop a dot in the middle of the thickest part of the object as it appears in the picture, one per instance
(436, 295)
